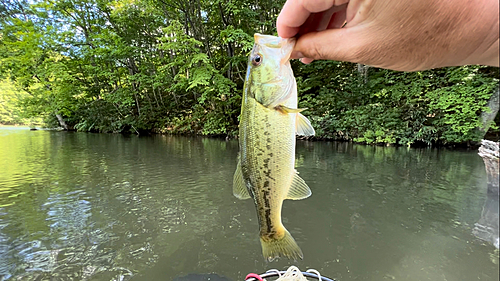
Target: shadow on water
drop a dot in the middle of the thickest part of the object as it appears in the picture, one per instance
(77, 206)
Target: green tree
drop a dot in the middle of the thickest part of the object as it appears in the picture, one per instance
(177, 66)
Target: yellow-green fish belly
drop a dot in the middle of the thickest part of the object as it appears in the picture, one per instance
(267, 143)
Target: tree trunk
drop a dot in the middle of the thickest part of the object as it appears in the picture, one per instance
(62, 122)
(488, 117)
(363, 72)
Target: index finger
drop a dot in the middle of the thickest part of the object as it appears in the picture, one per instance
(295, 13)
(291, 17)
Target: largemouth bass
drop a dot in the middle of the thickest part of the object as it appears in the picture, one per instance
(269, 122)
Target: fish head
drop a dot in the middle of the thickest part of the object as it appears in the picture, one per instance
(269, 74)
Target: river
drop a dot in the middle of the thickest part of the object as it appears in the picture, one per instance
(82, 206)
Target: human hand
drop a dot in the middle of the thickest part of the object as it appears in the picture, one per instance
(405, 35)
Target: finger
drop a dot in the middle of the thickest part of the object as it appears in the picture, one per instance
(320, 21)
(296, 12)
(332, 18)
(326, 16)
(306, 60)
(309, 25)
(357, 10)
(300, 56)
(321, 5)
(332, 44)
(337, 20)
(330, 15)
(291, 17)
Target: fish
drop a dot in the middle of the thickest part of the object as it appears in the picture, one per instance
(269, 123)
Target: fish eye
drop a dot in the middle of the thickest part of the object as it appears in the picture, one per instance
(256, 60)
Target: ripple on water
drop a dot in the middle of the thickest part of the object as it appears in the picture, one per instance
(106, 207)
(71, 245)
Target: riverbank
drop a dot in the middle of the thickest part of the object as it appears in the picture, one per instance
(492, 135)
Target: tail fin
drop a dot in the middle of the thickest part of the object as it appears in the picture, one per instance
(285, 247)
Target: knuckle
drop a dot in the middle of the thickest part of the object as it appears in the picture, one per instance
(316, 52)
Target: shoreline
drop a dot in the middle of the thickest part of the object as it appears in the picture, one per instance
(227, 137)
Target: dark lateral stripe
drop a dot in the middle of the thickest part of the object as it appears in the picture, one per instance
(267, 206)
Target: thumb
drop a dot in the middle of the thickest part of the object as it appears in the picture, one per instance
(331, 44)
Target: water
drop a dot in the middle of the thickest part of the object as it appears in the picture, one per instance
(77, 206)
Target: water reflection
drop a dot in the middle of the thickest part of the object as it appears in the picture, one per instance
(487, 226)
(106, 207)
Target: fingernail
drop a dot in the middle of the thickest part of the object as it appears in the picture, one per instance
(306, 60)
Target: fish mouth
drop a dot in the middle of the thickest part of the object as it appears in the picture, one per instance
(272, 41)
(285, 44)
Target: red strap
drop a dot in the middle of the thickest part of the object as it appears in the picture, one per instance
(253, 275)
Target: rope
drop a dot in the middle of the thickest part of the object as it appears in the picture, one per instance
(291, 274)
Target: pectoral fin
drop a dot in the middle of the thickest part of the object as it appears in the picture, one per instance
(239, 189)
(285, 110)
(298, 189)
(281, 89)
(303, 126)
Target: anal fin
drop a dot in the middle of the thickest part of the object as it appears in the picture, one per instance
(239, 189)
(298, 189)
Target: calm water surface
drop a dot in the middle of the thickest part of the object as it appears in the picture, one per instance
(77, 206)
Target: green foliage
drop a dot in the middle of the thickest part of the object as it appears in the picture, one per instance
(10, 112)
(175, 66)
(431, 107)
(459, 103)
